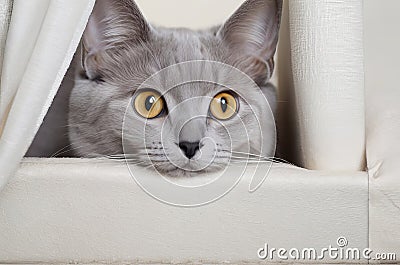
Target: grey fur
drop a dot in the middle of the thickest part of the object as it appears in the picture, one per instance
(121, 51)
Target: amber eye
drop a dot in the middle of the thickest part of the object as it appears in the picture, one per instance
(149, 104)
(224, 106)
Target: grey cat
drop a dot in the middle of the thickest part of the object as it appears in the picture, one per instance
(121, 50)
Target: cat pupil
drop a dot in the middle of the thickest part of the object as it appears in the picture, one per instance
(224, 104)
(149, 102)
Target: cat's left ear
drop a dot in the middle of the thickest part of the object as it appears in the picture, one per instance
(252, 31)
(112, 24)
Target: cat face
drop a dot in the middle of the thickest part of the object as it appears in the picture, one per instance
(182, 100)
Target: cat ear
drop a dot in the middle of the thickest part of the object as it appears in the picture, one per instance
(252, 31)
(111, 24)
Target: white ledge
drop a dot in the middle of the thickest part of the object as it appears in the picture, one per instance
(63, 210)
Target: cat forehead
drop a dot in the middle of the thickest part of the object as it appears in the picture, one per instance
(186, 44)
(167, 47)
(184, 35)
(182, 92)
(202, 92)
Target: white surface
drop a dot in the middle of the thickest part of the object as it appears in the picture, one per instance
(73, 210)
(327, 64)
(42, 39)
(382, 43)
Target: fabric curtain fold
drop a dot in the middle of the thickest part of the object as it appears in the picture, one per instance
(5, 15)
(326, 39)
(41, 41)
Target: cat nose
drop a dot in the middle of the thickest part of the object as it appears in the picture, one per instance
(189, 149)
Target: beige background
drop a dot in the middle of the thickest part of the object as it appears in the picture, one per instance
(183, 13)
(382, 44)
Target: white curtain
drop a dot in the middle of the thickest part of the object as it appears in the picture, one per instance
(38, 46)
(326, 43)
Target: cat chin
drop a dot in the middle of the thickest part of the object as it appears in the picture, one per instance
(176, 172)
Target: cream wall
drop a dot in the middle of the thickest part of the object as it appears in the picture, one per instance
(382, 67)
(194, 14)
(382, 43)
(382, 57)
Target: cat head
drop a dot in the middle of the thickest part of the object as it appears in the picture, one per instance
(188, 94)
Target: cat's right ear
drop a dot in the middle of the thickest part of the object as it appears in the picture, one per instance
(252, 32)
(112, 24)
